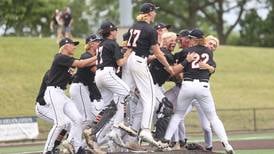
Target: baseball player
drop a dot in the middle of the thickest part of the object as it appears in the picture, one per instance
(161, 28)
(46, 112)
(197, 67)
(109, 57)
(142, 37)
(59, 76)
(164, 107)
(172, 94)
(212, 43)
(83, 90)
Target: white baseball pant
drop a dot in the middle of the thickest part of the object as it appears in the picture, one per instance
(201, 92)
(63, 109)
(79, 94)
(136, 74)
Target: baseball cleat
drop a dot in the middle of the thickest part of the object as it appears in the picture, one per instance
(114, 136)
(128, 129)
(228, 148)
(93, 147)
(146, 135)
(68, 148)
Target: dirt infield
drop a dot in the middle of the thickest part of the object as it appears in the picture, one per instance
(237, 144)
(247, 144)
(174, 152)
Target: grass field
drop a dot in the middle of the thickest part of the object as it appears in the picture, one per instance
(244, 76)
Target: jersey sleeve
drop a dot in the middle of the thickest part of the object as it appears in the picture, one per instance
(117, 51)
(85, 56)
(211, 61)
(64, 60)
(153, 37)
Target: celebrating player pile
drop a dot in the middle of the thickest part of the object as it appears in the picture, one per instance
(116, 96)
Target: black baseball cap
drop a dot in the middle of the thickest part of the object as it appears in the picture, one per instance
(196, 33)
(148, 7)
(125, 36)
(161, 25)
(66, 40)
(107, 26)
(183, 33)
(92, 38)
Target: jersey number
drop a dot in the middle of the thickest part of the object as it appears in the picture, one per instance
(134, 36)
(203, 58)
(99, 55)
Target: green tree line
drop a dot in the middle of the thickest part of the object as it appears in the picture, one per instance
(32, 18)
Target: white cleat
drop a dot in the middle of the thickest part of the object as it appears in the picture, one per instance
(127, 129)
(228, 148)
(68, 148)
(114, 136)
(146, 136)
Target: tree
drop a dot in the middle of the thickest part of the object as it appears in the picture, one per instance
(25, 17)
(251, 29)
(267, 28)
(255, 31)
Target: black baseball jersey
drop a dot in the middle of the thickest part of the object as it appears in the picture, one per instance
(141, 37)
(60, 72)
(159, 74)
(108, 53)
(179, 56)
(43, 86)
(191, 70)
(86, 76)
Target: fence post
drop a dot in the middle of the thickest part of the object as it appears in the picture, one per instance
(254, 117)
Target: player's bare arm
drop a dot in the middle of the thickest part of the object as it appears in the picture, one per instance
(179, 67)
(205, 66)
(122, 61)
(84, 62)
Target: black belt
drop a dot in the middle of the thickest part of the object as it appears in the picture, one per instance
(63, 88)
(142, 56)
(190, 79)
(102, 68)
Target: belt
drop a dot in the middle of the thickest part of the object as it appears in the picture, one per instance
(107, 67)
(142, 56)
(58, 87)
(190, 79)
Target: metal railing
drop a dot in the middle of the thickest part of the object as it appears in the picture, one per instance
(248, 119)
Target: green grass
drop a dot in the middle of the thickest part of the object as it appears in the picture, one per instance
(23, 63)
(244, 77)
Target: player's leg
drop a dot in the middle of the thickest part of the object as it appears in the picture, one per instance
(76, 130)
(185, 97)
(56, 101)
(172, 94)
(181, 129)
(45, 112)
(205, 124)
(208, 106)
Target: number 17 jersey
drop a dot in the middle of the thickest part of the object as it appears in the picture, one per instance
(141, 37)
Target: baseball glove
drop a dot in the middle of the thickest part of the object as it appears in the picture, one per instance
(194, 146)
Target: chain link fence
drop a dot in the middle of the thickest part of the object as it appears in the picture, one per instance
(249, 119)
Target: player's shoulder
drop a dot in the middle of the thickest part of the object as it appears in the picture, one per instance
(142, 25)
(85, 55)
(108, 43)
